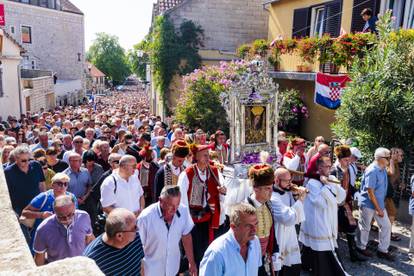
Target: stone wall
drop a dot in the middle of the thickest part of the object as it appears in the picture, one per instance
(57, 38)
(15, 257)
(227, 23)
(41, 93)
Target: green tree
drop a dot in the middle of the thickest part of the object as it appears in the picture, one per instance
(107, 54)
(138, 59)
(378, 105)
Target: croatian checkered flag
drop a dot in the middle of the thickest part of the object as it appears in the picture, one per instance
(329, 88)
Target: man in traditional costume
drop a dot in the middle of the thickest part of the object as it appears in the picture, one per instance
(168, 173)
(346, 221)
(262, 177)
(202, 190)
(147, 169)
(221, 147)
(294, 160)
(287, 213)
(319, 231)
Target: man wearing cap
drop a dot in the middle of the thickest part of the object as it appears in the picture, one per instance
(346, 221)
(147, 169)
(294, 159)
(168, 174)
(201, 189)
(262, 178)
(373, 191)
(221, 147)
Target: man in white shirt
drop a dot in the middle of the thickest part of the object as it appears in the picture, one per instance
(122, 188)
(162, 226)
(237, 252)
(287, 213)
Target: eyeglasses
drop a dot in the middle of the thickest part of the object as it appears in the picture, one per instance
(135, 229)
(387, 158)
(24, 160)
(78, 142)
(61, 184)
(65, 218)
(115, 161)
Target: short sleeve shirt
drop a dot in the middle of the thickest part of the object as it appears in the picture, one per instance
(79, 181)
(114, 261)
(61, 242)
(23, 187)
(375, 178)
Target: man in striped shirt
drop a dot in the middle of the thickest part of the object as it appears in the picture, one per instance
(118, 251)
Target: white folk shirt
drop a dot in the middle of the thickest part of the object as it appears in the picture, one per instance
(127, 194)
(286, 213)
(161, 245)
(320, 229)
(223, 257)
(183, 183)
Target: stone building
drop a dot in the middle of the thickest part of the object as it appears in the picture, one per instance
(52, 32)
(95, 83)
(10, 58)
(226, 23)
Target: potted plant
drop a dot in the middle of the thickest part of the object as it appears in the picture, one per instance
(259, 47)
(308, 50)
(243, 51)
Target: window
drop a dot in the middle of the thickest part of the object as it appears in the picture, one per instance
(317, 21)
(402, 10)
(33, 65)
(44, 3)
(12, 29)
(26, 34)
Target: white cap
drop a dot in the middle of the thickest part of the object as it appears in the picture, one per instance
(381, 153)
(356, 152)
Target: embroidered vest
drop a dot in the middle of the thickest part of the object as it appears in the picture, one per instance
(200, 192)
(169, 177)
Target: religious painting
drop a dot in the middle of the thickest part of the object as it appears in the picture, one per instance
(255, 124)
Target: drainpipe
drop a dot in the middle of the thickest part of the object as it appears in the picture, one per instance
(19, 77)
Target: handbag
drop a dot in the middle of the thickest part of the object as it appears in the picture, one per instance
(29, 222)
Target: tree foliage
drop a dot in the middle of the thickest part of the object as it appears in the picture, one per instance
(107, 54)
(172, 51)
(378, 105)
(138, 59)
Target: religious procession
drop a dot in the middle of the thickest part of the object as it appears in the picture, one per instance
(286, 157)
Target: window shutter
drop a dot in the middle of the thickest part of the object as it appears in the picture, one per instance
(357, 23)
(301, 26)
(333, 15)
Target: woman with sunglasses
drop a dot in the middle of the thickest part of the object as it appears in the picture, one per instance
(41, 206)
(48, 173)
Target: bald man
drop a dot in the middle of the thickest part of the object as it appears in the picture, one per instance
(287, 213)
(323, 150)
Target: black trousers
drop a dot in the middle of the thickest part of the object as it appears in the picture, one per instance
(321, 263)
(293, 270)
(200, 237)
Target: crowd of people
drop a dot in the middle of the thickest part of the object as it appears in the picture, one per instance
(112, 182)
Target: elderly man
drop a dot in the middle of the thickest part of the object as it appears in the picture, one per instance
(162, 226)
(159, 145)
(77, 148)
(323, 150)
(168, 174)
(67, 142)
(373, 192)
(64, 234)
(104, 152)
(90, 135)
(118, 251)
(287, 213)
(122, 188)
(44, 142)
(80, 183)
(319, 232)
(25, 179)
(238, 251)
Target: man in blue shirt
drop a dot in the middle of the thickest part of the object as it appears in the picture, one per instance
(370, 21)
(373, 191)
(238, 251)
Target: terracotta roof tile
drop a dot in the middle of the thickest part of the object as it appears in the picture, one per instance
(95, 72)
(164, 5)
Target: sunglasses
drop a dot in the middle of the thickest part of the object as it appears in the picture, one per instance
(78, 142)
(115, 161)
(24, 160)
(61, 184)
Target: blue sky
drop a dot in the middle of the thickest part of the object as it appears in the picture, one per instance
(127, 19)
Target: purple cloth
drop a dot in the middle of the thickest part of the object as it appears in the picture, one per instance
(60, 242)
